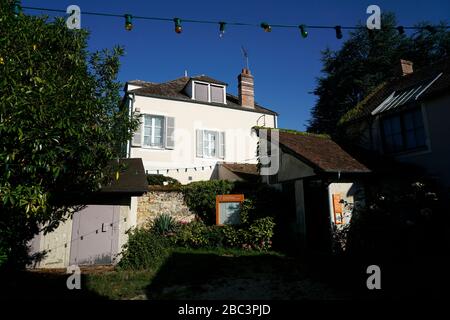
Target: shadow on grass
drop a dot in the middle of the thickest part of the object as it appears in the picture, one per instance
(209, 276)
(27, 285)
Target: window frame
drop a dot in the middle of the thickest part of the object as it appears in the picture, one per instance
(210, 85)
(403, 132)
(153, 130)
(219, 142)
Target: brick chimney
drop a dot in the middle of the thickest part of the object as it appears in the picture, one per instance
(246, 89)
(407, 67)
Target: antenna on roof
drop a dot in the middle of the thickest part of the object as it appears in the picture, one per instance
(185, 73)
(245, 54)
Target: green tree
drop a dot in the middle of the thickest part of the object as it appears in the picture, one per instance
(61, 123)
(366, 60)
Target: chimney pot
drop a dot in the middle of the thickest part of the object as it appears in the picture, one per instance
(407, 67)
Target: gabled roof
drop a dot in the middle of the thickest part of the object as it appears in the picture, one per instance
(403, 90)
(320, 152)
(208, 79)
(245, 168)
(175, 90)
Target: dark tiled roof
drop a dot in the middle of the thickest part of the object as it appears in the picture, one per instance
(132, 178)
(209, 79)
(398, 84)
(246, 168)
(320, 152)
(174, 90)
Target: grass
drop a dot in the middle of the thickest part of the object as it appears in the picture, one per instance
(124, 284)
(226, 274)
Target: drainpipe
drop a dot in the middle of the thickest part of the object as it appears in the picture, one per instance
(130, 113)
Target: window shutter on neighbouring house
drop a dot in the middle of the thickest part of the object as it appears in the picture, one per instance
(170, 132)
(199, 134)
(136, 141)
(222, 145)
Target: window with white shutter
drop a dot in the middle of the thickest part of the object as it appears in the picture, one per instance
(210, 144)
(137, 136)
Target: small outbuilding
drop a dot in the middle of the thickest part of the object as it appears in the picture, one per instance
(325, 182)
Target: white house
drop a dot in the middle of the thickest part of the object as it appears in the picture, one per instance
(192, 124)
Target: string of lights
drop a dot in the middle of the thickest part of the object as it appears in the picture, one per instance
(178, 28)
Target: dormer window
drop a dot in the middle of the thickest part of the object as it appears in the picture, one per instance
(208, 92)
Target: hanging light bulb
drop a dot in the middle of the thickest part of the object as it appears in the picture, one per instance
(266, 27)
(17, 8)
(222, 28)
(401, 29)
(128, 22)
(178, 28)
(303, 30)
(338, 32)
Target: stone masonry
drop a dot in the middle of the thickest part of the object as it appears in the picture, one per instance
(154, 203)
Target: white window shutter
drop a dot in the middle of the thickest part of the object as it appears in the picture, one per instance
(170, 132)
(136, 141)
(199, 134)
(221, 145)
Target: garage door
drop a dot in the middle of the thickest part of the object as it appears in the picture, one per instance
(95, 235)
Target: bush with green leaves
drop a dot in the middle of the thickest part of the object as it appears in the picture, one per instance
(164, 224)
(144, 249)
(159, 180)
(201, 197)
(192, 235)
(3, 256)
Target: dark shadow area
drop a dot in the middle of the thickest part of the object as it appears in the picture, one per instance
(267, 277)
(40, 285)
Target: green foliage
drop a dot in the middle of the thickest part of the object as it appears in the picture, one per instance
(193, 235)
(364, 62)
(61, 122)
(257, 235)
(159, 179)
(3, 256)
(143, 250)
(164, 224)
(261, 233)
(201, 197)
(400, 219)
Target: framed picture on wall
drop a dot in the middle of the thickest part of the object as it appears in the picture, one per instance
(228, 208)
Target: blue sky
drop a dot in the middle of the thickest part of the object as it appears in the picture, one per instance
(285, 66)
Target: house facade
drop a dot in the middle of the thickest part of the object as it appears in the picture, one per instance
(190, 125)
(405, 119)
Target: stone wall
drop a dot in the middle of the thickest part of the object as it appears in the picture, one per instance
(154, 203)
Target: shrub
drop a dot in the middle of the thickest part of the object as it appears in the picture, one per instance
(3, 257)
(261, 233)
(164, 224)
(143, 250)
(159, 179)
(201, 197)
(192, 235)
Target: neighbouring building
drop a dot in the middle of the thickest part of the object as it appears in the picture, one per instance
(96, 234)
(406, 119)
(324, 183)
(190, 125)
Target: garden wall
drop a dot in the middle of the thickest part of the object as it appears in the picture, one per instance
(158, 201)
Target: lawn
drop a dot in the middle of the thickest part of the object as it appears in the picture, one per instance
(186, 274)
(216, 274)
